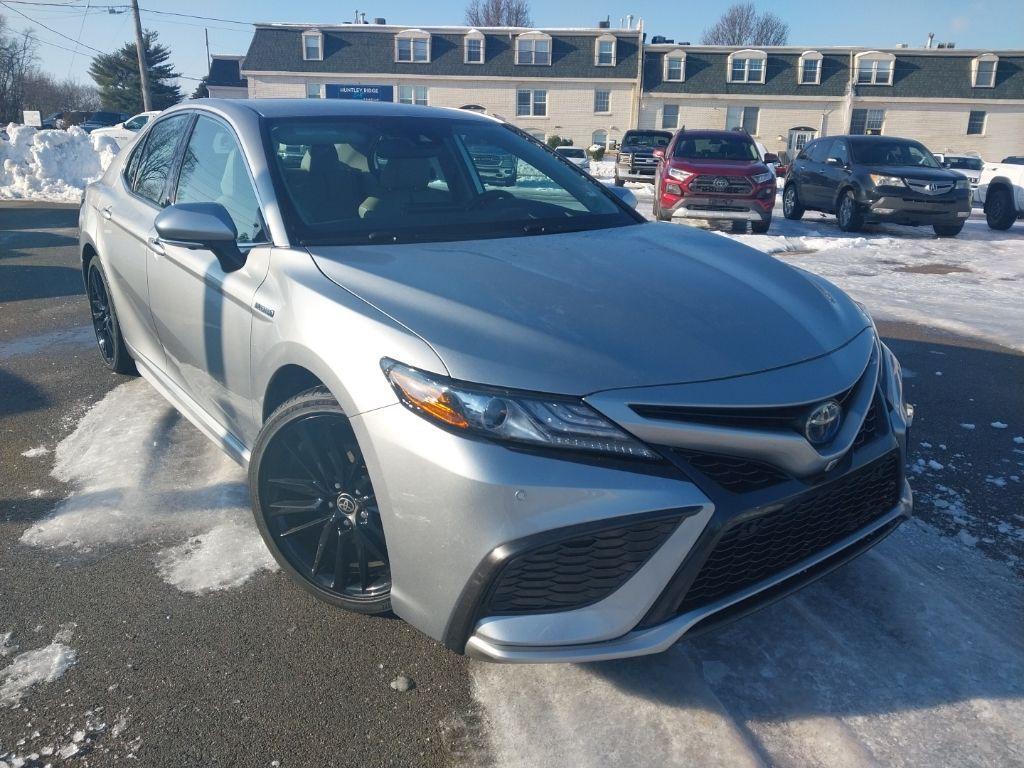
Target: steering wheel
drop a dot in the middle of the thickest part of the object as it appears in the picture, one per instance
(490, 196)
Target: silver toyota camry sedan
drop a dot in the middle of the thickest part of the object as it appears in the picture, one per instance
(474, 387)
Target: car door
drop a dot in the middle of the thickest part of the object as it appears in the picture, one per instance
(813, 189)
(127, 212)
(203, 314)
(835, 172)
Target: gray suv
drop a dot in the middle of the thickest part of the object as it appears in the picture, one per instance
(509, 410)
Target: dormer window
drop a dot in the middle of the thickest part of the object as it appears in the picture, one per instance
(675, 67)
(533, 48)
(312, 45)
(605, 51)
(875, 68)
(747, 66)
(983, 70)
(474, 51)
(412, 47)
(809, 72)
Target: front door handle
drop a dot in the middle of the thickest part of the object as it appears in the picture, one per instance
(156, 246)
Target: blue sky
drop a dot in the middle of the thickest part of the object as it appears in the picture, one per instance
(971, 23)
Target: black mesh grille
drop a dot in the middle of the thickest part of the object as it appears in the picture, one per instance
(578, 571)
(757, 548)
(733, 473)
(733, 185)
(872, 422)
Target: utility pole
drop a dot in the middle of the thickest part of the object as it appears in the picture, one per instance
(140, 50)
(208, 60)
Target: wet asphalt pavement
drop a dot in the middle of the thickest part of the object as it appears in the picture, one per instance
(265, 673)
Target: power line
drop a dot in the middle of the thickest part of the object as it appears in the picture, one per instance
(80, 30)
(49, 29)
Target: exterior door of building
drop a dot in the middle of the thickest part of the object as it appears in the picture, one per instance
(798, 137)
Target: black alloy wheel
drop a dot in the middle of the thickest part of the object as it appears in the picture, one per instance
(104, 322)
(315, 506)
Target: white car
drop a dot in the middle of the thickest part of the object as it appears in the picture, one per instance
(575, 155)
(1001, 194)
(968, 165)
(124, 132)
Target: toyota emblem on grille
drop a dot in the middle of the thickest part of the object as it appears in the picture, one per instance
(823, 423)
(721, 183)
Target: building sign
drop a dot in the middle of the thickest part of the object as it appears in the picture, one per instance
(360, 92)
(31, 117)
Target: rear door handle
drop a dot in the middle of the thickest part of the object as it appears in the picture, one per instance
(156, 246)
(106, 213)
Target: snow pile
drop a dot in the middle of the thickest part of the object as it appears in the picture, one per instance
(51, 165)
(42, 665)
(144, 474)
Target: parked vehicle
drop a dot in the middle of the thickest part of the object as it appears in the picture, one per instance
(125, 131)
(715, 175)
(575, 155)
(1001, 193)
(1014, 160)
(636, 160)
(102, 120)
(968, 165)
(876, 178)
(785, 160)
(524, 419)
(63, 119)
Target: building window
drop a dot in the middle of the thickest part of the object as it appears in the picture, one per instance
(412, 94)
(747, 66)
(530, 103)
(867, 121)
(983, 70)
(314, 90)
(742, 117)
(976, 123)
(602, 101)
(412, 46)
(312, 46)
(604, 51)
(474, 47)
(599, 137)
(670, 116)
(874, 68)
(810, 68)
(675, 67)
(533, 48)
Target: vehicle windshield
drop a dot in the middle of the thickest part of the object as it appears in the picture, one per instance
(349, 180)
(964, 163)
(652, 140)
(716, 148)
(570, 152)
(893, 153)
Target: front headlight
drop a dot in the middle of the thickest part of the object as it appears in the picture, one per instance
(894, 386)
(963, 184)
(549, 421)
(881, 180)
(678, 173)
(761, 178)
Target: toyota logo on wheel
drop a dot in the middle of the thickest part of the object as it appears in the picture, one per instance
(823, 423)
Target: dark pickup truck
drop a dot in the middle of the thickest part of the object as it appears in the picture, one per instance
(636, 161)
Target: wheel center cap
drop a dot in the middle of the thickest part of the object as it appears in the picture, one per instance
(347, 505)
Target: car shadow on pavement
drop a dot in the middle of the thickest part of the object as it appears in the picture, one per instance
(18, 395)
(22, 215)
(19, 245)
(28, 281)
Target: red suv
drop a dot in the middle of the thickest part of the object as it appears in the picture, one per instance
(716, 175)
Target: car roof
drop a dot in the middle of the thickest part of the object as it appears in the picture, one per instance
(278, 108)
(709, 133)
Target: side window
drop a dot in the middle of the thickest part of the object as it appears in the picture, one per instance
(213, 170)
(132, 166)
(805, 151)
(135, 123)
(818, 151)
(840, 152)
(157, 156)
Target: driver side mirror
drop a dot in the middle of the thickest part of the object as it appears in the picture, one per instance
(771, 157)
(833, 161)
(660, 154)
(205, 226)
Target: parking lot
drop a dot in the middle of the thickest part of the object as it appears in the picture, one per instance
(141, 618)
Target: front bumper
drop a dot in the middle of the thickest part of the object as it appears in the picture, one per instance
(902, 209)
(636, 171)
(719, 208)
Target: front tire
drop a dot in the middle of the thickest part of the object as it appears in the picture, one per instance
(761, 227)
(619, 182)
(849, 214)
(113, 350)
(999, 212)
(791, 207)
(948, 230)
(315, 505)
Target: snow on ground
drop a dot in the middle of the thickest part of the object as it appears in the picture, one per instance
(41, 665)
(911, 655)
(141, 473)
(51, 164)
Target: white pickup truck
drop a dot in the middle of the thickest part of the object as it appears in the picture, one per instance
(1001, 193)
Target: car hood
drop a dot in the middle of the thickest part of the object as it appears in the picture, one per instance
(577, 313)
(915, 172)
(722, 167)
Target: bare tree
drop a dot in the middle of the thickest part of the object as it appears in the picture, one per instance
(17, 62)
(742, 25)
(498, 13)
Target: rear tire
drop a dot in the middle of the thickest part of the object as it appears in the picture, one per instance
(791, 207)
(849, 214)
(113, 350)
(948, 230)
(999, 210)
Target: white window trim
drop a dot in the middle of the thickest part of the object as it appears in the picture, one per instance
(319, 90)
(320, 44)
(474, 34)
(874, 57)
(747, 54)
(534, 36)
(547, 103)
(412, 89)
(984, 122)
(605, 111)
(597, 50)
(808, 56)
(743, 115)
(677, 54)
(974, 70)
(412, 35)
(662, 121)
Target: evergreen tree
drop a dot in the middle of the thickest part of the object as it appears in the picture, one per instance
(201, 91)
(117, 76)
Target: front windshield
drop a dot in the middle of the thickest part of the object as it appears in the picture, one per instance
(717, 148)
(348, 180)
(652, 140)
(893, 153)
(964, 163)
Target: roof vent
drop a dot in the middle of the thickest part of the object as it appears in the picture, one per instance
(380, 20)
(604, 24)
